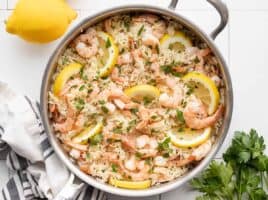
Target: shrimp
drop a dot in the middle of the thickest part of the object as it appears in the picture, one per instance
(80, 122)
(115, 76)
(158, 26)
(87, 44)
(200, 55)
(174, 100)
(108, 25)
(195, 115)
(137, 56)
(121, 100)
(68, 124)
(133, 168)
(80, 147)
(143, 144)
(161, 174)
(117, 93)
(144, 115)
(124, 59)
(149, 18)
(197, 154)
(150, 40)
(142, 174)
(70, 84)
(84, 166)
(56, 116)
(159, 29)
(147, 146)
(95, 91)
(201, 151)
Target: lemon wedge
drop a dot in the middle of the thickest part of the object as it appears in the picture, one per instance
(110, 50)
(67, 72)
(88, 133)
(179, 41)
(139, 92)
(130, 184)
(188, 137)
(205, 89)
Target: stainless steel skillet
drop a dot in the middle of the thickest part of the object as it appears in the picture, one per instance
(93, 19)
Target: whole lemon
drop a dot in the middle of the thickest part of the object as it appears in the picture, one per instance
(40, 20)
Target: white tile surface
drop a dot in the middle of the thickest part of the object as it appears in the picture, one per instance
(248, 53)
(248, 4)
(3, 4)
(11, 4)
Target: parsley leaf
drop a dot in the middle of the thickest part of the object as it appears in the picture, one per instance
(108, 43)
(169, 69)
(114, 167)
(241, 175)
(164, 147)
(179, 115)
(96, 139)
(79, 104)
(140, 30)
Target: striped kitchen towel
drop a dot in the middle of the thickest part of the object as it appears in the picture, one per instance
(37, 173)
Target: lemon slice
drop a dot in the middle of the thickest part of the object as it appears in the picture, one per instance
(88, 133)
(205, 89)
(188, 137)
(110, 54)
(130, 184)
(179, 41)
(139, 92)
(67, 72)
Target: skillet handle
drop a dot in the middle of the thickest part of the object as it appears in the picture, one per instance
(222, 9)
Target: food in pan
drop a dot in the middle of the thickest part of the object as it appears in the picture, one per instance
(137, 100)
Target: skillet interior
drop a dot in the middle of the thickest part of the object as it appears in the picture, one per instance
(47, 79)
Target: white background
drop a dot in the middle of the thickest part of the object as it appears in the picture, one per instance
(243, 43)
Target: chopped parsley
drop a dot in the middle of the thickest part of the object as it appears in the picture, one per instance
(140, 30)
(181, 129)
(108, 43)
(179, 115)
(169, 69)
(131, 124)
(147, 62)
(102, 102)
(117, 129)
(196, 60)
(138, 154)
(114, 167)
(82, 74)
(87, 155)
(122, 51)
(148, 161)
(157, 49)
(104, 109)
(154, 117)
(183, 103)
(164, 147)
(96, 139)
(127, 23)
(79, 104)
(147, 100)
(190, 89)
(82, 87)
(134, 110)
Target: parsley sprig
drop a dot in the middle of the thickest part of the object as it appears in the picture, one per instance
(242, 175)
